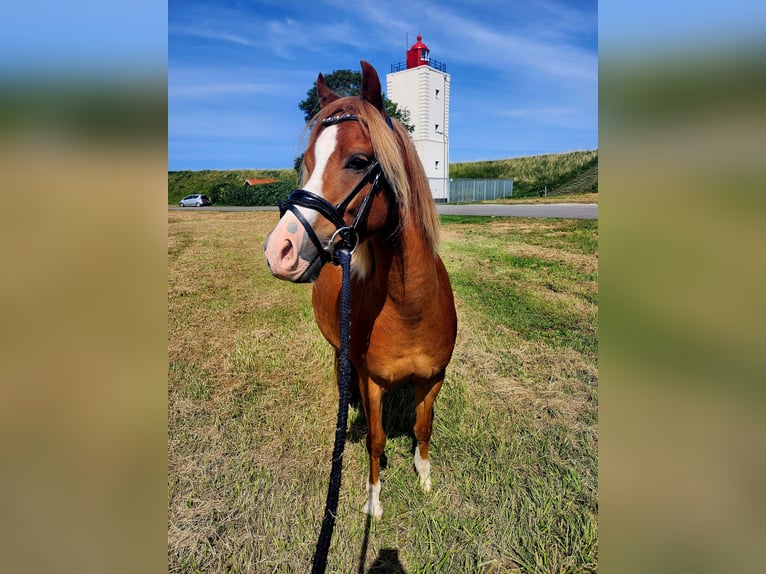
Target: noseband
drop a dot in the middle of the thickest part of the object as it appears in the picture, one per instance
(345, 236)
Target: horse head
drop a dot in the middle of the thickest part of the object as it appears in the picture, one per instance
(345, 196)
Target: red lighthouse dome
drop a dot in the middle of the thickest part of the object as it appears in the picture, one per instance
(417, 55)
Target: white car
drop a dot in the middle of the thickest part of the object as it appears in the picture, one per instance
(195, 200)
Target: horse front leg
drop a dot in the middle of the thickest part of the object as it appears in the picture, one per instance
(425, 395)
(372, 395)
(354, 398)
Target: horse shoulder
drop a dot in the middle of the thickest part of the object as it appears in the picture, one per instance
(324, 300)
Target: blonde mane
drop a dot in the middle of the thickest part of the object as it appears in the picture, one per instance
(399, 161)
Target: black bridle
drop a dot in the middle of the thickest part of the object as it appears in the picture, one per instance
(345, 236)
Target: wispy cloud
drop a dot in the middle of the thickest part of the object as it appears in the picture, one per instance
(544, 42)
(211, 32)
(507, 50)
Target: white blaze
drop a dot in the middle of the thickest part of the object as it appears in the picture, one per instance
(323, 150)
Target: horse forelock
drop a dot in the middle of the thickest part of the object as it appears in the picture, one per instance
(398, 159)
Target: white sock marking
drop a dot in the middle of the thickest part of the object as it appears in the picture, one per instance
(424, 470)
(372, 506)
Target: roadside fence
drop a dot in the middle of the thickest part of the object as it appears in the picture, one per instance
(468, 190)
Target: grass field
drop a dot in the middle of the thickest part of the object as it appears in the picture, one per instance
(252, 403)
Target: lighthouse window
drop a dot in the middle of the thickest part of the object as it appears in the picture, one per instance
(436, 164)
(436, 128)
(437, 94)
(424, 55)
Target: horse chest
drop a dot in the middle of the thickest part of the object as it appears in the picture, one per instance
(391, 370)
(397, 335)
(393, 349)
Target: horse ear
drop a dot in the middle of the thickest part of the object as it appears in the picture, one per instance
(325, 94)
(371, 86)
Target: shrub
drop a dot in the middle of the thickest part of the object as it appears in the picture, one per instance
(213, 182)
(246, 195)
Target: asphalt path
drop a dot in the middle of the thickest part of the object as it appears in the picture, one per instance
(555, 210)
(559, 210)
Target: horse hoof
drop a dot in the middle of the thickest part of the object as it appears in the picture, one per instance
(374, 509)
(373, 506)
(425, 484)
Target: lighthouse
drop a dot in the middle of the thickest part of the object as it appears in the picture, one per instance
(422, 86)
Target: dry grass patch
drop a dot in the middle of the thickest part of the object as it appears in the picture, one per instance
(563, 198)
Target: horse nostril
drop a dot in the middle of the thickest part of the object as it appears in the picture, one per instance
(287, 248)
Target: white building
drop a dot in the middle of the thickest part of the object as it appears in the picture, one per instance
(423, 88)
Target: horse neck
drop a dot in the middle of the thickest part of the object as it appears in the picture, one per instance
(406, 269)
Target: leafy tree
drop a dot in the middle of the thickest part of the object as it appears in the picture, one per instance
(349, 83)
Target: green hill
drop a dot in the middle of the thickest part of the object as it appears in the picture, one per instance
(562, 173)
(586, 182)
(531, 174)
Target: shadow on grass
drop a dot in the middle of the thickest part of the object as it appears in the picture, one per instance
(398, 415)
(387, 561)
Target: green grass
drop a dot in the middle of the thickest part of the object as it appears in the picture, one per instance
(584, 182)
(252, 411)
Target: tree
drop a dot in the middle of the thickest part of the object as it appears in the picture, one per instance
(349, 83)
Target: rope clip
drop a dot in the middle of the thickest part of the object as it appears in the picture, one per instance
(348, 239)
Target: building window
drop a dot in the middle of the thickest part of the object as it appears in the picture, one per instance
(436, 128)
(437, 94)
(436, 164)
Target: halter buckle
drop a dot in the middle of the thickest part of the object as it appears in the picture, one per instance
(348, 240)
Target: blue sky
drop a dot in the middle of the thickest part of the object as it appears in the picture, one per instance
(524, 74)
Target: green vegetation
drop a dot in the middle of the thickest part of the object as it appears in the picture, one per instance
(349, 83)
(571, 172)
(252, 401)
(584, 182)
(220, 185)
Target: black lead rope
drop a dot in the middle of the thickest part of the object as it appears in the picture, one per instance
(344, 382)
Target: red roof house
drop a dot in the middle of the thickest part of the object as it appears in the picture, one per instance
(259, 181)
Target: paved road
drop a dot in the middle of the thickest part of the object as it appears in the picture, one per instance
(562, 210)
(558, 210)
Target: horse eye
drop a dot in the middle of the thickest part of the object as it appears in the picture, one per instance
(358, 162)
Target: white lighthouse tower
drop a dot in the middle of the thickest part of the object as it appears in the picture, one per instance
(422, 85)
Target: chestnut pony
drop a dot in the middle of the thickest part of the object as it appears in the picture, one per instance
(403, 322)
